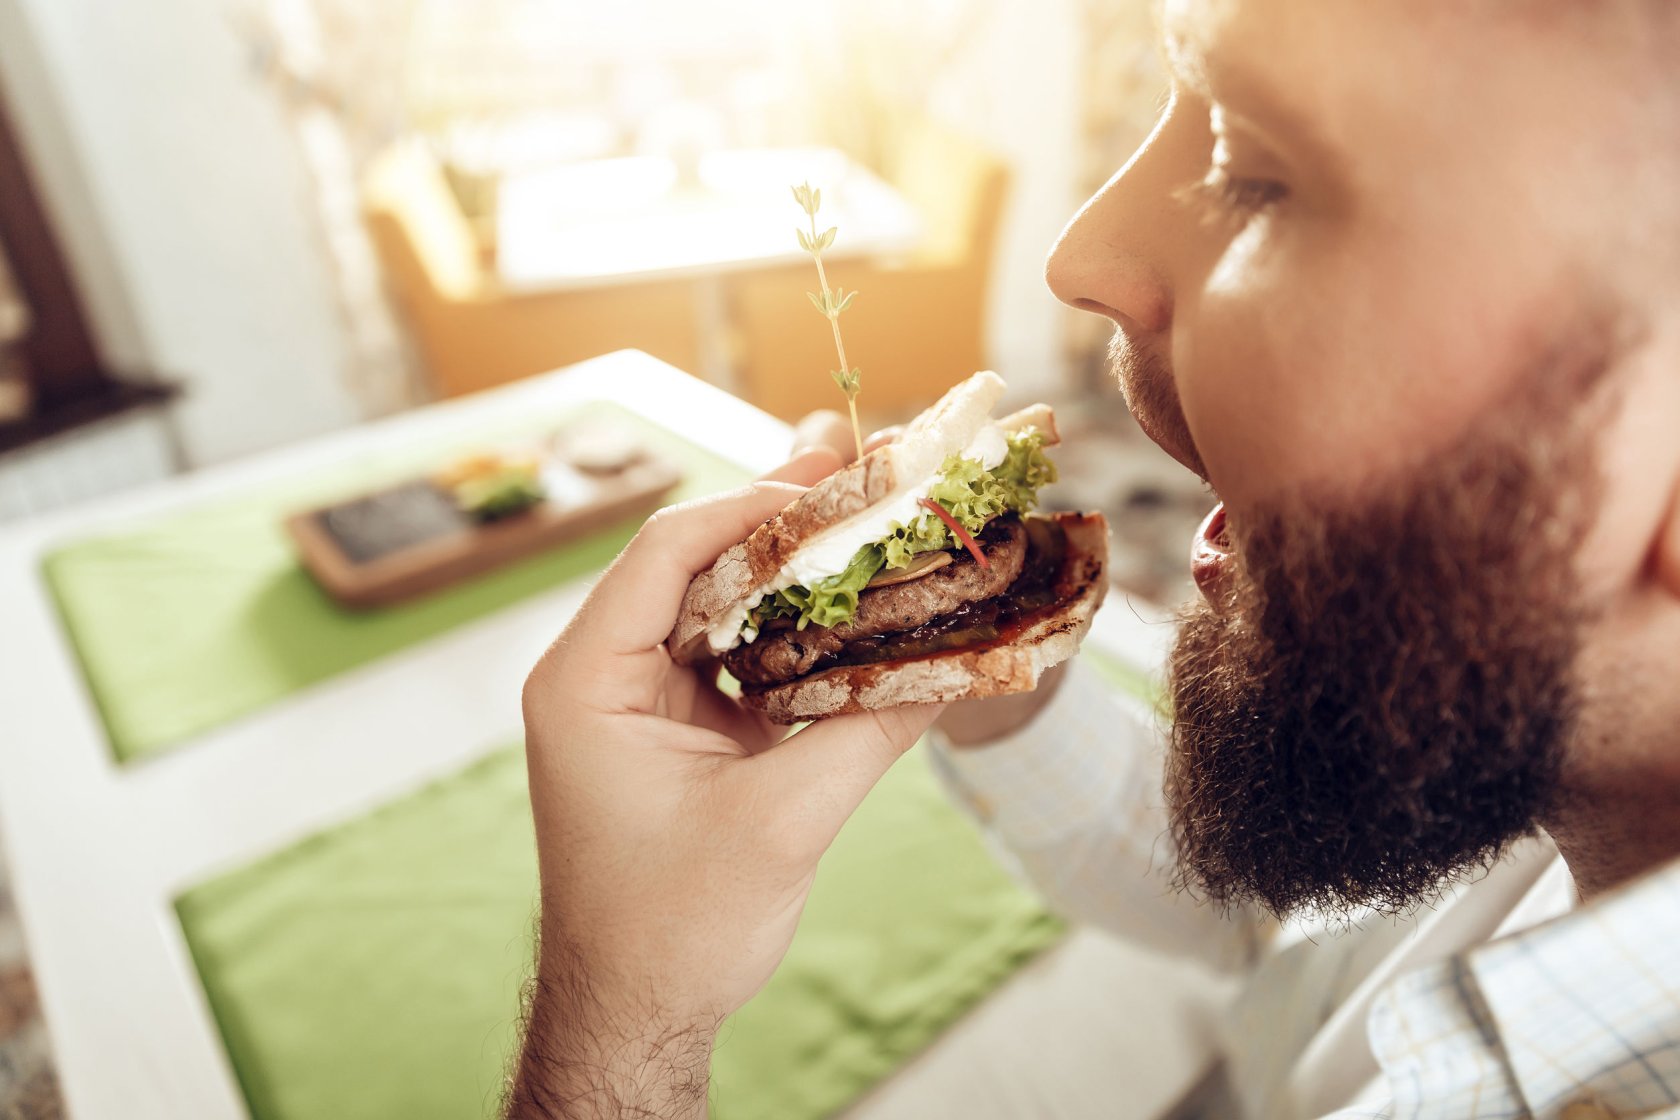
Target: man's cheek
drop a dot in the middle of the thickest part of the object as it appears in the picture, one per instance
(1638, 457)
(1324, 370)
(1254, 392)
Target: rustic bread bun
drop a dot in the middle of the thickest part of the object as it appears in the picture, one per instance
(942, 430)
(962, 674)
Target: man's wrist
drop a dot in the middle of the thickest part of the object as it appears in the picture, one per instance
(975, 723)
(593, 1055)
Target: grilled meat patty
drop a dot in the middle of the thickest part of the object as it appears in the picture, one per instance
(782, 653)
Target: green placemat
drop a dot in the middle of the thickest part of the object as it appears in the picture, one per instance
(193, 620)
(374, 970)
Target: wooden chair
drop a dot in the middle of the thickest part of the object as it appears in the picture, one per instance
(917, 326)
(471, 334)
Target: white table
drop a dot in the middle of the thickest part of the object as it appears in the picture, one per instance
(597, 223)
(99, 852)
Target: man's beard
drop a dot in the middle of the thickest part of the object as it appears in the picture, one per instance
(1383, 701)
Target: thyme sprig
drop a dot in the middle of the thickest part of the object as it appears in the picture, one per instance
(830, 303)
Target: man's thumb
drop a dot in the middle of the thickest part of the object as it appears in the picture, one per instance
(828, 767)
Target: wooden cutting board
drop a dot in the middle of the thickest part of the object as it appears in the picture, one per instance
(410, 539)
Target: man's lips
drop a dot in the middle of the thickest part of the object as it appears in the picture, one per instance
(1210, 552)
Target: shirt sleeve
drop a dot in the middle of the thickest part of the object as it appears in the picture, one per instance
(1075, 800)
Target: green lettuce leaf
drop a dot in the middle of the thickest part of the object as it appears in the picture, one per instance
(505, 492)
(972, 495)
(832, 601)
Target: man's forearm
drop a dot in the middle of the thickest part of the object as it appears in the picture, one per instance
(587, 1058)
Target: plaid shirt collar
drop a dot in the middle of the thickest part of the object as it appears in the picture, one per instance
(1577, 1018)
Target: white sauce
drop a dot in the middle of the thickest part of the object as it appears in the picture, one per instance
(828, 553)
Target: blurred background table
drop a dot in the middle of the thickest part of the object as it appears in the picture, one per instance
(695, 261)
(597, 222)
(650, 219)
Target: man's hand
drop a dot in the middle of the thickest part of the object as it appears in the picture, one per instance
(967, 722)
(677, 833)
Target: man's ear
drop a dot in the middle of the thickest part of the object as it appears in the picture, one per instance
(1666, 558)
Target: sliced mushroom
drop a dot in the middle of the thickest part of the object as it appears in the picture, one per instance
(916, 569)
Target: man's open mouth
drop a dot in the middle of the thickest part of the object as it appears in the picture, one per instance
(1210, 552)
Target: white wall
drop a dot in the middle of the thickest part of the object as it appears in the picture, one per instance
(177, 185)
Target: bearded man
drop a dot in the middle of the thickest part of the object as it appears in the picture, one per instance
(1398, 280)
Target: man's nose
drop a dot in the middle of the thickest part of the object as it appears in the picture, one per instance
(1124, 253)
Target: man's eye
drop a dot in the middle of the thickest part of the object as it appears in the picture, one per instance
(1223, 193)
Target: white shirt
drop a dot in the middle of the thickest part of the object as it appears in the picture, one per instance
(1502, 1000)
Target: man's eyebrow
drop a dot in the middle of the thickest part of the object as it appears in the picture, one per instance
(1183, 62)
(1223, 77)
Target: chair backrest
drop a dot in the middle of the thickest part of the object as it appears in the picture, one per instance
(435, 253)
(921, 321)
(470, 332)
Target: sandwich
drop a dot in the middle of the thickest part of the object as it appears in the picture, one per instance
(917, 574)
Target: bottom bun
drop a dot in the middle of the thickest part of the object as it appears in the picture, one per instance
(1049, 636)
